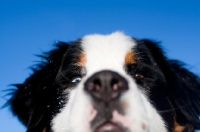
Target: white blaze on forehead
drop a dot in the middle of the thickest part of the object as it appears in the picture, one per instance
(106, 51)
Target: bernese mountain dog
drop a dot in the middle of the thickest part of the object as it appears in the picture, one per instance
(108, 83)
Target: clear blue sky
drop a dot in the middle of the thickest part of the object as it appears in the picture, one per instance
(28, 27)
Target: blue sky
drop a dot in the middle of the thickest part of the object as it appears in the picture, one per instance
(31, 27)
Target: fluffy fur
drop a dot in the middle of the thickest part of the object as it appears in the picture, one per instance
(157, 94)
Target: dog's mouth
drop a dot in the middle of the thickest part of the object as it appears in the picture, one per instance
(108, 127)
(111, 121)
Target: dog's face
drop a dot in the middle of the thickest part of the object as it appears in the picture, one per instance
(108, 83)
(111, 86)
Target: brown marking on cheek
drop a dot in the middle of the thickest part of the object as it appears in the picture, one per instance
(124, 104)
(178, 127)
(129, 58)
(44, 130)
(82, 59)
(143, 125)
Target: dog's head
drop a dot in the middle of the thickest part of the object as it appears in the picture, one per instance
(108, 83)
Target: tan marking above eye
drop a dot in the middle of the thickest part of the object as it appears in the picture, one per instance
(129, 58)
(82, 59)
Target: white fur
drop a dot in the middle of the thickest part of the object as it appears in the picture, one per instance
(76, 111)
(107, 52)
(140, 111)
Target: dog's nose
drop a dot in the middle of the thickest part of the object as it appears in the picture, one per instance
(106, 86)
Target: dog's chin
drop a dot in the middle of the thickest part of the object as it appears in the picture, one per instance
(109, 127)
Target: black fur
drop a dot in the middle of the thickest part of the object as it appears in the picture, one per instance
(40, 97)
(34, 100)
(183, 88)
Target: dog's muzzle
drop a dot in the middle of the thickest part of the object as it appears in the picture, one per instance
(105, 88)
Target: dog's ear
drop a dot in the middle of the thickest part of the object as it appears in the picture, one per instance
(32, 96)
(184, 94)
(183, 87)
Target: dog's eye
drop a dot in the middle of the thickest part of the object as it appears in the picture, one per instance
(139, 76)
(76, 79)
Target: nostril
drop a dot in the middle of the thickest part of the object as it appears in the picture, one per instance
(97, 85)
(115, 87)
(118, 84)
(115, 84)
(94, 86)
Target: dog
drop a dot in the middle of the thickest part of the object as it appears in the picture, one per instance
(108, 83)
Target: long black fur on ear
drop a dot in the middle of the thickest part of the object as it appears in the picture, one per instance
(185, 94)
(183, 87)
(36, 94)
